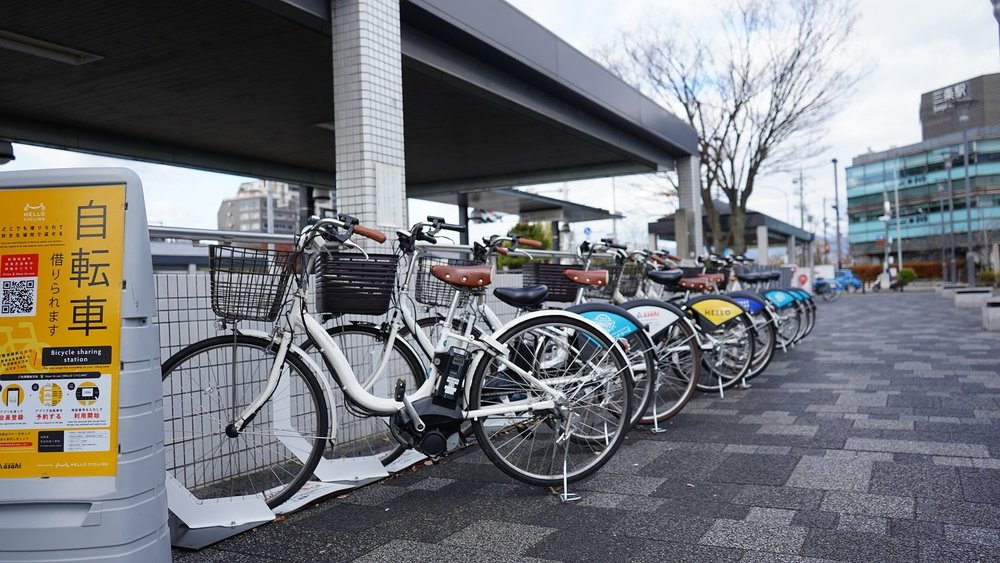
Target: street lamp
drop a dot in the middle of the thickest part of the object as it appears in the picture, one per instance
(788, 213)
(836, 207)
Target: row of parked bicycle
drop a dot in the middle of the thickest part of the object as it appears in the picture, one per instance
(548, 395)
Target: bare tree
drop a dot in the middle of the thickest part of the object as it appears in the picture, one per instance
(759, 100)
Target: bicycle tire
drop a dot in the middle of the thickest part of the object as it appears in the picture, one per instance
(725, 366)
(789, 324)
(278, 449)
(677, 352)
(597, 399)
(363, 345)
(678, 364)
(766, 338)
(640, 349)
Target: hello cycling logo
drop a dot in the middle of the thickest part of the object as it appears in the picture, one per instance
(34, 213)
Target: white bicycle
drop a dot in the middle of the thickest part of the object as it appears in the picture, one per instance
(249, 413)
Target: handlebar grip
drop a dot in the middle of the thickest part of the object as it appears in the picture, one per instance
(427, 238)
(373, 234)
(658, 259)
(529, 242)
(618, 246)
(454, 228)
(674, 257)
(502, 251)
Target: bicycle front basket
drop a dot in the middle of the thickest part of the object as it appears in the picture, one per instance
(249, 284)
(351, 284)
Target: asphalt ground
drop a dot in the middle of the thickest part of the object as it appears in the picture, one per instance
(874, 439)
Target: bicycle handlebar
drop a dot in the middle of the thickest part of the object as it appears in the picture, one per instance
(369, 233)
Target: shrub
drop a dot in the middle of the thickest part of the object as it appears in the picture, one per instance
(907, 275)
(988, 277)
(527, 230)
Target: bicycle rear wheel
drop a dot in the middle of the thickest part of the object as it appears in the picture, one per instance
(730, 356)
(366, 348)
(205, 388)
(678, 363)
(766, 336)
(573, 440)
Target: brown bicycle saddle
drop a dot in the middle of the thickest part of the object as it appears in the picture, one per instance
(587, 277)
(697, 284)
(464, 276)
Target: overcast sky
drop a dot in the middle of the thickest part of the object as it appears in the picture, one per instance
(914, 46)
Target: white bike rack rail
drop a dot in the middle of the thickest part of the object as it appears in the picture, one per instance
(195, 523)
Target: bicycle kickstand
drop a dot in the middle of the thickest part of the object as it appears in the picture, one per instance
(567, 496)
(656, 419)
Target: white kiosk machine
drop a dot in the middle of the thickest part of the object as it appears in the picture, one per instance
(81, 412)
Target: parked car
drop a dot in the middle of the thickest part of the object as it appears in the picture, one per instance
(848, 280)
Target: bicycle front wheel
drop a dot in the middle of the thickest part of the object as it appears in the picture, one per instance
(206, 386)
(593, 391)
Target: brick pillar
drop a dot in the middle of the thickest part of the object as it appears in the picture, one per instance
(689, 196)
(368, 112)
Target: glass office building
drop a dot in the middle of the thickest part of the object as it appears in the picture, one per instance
(931, 178)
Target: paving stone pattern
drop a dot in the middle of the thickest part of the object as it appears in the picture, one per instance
(875, 439)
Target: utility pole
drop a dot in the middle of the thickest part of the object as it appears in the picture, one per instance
(899, 233)
(970, 255)
(996, 10)
(826, 238)
(836, 207)
(952, 268)
(802, 202)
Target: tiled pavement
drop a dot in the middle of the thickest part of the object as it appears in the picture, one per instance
(875, 439)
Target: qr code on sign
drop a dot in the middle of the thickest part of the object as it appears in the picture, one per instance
(18, 297)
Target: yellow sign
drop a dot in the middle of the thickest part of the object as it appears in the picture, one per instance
(61, 253)
(717, 311)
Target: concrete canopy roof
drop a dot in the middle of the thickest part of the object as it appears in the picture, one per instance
(531, 207)
(245, 86)
(777, 231)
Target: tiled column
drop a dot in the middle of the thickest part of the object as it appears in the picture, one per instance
(762, 249)
(368, 112)
(791, 252)
(689, 196)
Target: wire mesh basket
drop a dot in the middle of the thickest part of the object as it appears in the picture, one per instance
(561, 289)
(434, 292)
(614, 269)
(249, 284)
(352, 284)
(632, 275)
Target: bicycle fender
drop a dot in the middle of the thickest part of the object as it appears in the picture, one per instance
(654, 315)
(321, 376)
(750, 301)
(715, 310)
(617, 321)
